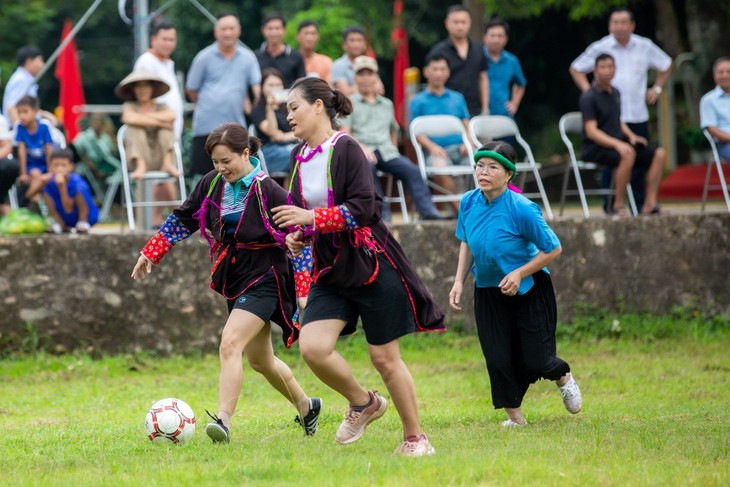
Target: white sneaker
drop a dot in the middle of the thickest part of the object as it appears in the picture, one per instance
(571, 395)
(508, 423)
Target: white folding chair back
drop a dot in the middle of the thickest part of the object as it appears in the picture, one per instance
(572, 123)
(438, 126)
(718, 165)
(148, 181)
(484, 128)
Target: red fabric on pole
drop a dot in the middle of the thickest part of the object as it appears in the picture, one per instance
(71, 92)
(399, 38)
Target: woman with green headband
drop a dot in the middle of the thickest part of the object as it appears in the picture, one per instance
(507, 245)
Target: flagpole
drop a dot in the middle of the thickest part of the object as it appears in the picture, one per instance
(68, 39)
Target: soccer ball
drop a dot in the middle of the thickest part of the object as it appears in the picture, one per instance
(170, 420)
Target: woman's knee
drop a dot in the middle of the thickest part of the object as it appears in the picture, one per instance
(312, 350)
(385, 360)
(229, 348)
(260, 364)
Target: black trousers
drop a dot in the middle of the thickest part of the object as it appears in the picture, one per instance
(517, 335)
(200, 162)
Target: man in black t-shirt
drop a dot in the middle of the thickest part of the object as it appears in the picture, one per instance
(467, 62)
(610, 142)
(273, 53)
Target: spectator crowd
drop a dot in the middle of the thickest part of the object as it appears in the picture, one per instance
(464, 78)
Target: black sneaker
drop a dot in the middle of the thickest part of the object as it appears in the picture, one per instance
(310, 421)
(217, 431)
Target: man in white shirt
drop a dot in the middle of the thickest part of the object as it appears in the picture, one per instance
(157, 61)
(22, 82)
(634, 56)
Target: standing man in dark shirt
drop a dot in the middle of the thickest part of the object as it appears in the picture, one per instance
(273, 53)
(610, 142)
(467, 62)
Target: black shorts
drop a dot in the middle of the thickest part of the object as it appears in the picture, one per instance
(610, 157)
(261, 299)
(383, 306)
(200, 162)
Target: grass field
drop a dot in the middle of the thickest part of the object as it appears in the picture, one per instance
(655, 413)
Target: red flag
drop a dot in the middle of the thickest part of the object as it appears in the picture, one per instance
(399, 38)
(71, 91)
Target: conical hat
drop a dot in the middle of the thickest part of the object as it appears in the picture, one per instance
(125, 89)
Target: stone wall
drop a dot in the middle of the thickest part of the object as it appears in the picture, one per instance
(75, 292)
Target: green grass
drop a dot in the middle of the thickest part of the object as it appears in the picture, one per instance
(655, 413)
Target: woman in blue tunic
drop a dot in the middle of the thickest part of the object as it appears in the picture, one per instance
(507, 245)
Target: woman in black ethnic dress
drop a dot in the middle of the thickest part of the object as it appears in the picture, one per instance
(230, 207)
(358, 270)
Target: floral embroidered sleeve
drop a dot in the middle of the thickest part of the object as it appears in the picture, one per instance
(302, 265)
(334, 219)
(170, 233)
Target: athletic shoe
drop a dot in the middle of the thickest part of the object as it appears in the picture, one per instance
(508, 423)
(571, 396)
(217, 431)
(310, 421)
(415, 446)
(353, 426)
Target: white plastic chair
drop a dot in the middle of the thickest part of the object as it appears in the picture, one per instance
(437, 126)
(150, 179)
(572, 123)
(718, 165)
(484, 128)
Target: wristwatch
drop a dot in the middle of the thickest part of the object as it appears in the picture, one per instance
(657, 89)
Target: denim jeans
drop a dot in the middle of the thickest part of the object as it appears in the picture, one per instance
(408, 172)
(277, 157)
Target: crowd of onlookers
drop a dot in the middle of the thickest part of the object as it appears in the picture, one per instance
(228, 82)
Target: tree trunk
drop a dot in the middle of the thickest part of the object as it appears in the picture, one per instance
(707, 33)
(667, 28)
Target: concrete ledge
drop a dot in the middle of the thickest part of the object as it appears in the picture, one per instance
(74, 292)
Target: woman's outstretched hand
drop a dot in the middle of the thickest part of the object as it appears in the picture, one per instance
(142, 268)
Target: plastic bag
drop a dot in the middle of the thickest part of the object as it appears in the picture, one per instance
(22, 221)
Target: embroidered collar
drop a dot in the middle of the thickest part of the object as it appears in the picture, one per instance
(247, 180)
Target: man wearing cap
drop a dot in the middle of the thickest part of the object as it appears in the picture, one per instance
(373, 125)
(157, 60)
(218, 83)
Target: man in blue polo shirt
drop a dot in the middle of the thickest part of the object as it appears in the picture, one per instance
(218, 83)
(506, 81)
(436, 99)
(715, 107)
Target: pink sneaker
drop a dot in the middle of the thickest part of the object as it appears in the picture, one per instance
(353, 426)
(415, 446)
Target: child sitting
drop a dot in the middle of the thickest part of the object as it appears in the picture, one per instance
(34, 146)
(68, 195)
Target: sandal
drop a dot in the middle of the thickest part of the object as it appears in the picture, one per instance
(620, 212)
(82, 227)
(656, 211)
